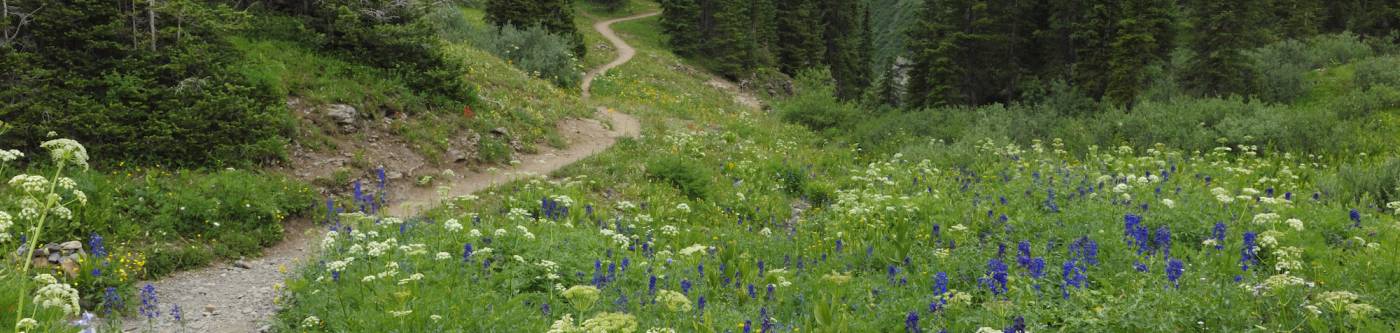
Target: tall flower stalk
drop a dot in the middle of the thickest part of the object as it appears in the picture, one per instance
(43, 199)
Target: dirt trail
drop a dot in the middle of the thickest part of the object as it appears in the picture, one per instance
(624, 51)
(239, 296)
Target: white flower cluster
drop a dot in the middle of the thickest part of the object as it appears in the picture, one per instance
(67, 151)
(56, 295)
(693, 249)
(452, 225)
(10, 155)
(5, 223)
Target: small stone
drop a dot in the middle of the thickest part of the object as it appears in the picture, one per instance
(242, 264)
(500, 131)
(265, 329)
(71, 246)
(40, 263)
(210, 308)
(69, 266)
(55, 257)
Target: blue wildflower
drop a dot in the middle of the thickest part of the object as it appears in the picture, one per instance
(651, 285)
(685, 287)
(1164, 241)
(1356, 218)
(112, 301)
(940, 283)
(1174, 270)
(149, 302)
(1017, 326)
(752, 293)
(176, 313)
(1036, 267)
(466, 252)
(1219, 233)
(1247, 252)
(996, 276)
(1023, 256)
(911, 323)
(1139, 266)
(767, 321)
(97, 246)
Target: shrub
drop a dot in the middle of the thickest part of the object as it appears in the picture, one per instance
(1378, 71)
(1282, 68)
(533, 50)
(684, 174)
(1377, 181)
(815, 104)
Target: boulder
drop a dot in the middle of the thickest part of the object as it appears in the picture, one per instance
(71, 246)
(343, 115)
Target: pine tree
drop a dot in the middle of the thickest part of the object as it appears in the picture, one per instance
(799, 36)
(965, 52)
(845, 55)
(1223, 32)
(680, 19)
(1132, 50)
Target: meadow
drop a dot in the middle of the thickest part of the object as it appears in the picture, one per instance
(1055, 213)
(723, 219)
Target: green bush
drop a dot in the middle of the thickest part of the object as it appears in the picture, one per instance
(1283, 67)
(684, 174)
(533, 50)
(815, 104)
(1376, 181)
(1378, 71)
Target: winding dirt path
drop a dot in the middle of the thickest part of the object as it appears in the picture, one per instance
(624, 52)
(239, 296)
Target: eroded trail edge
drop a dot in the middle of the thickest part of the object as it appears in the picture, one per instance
(240, 296)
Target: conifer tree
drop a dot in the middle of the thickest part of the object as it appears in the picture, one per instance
(1223, 31)
(799, 31)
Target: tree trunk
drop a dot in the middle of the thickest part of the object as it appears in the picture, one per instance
(151, 15)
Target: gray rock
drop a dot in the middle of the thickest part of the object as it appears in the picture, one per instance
(500, 131)
(242, 264)
(342, 114)
(55, 257)
(71, 246)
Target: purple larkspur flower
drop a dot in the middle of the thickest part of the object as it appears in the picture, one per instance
(1174, 271)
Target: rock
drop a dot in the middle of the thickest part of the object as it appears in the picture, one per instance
(69, 266)
(71, 246)
(55, 257)
(40, 263)
(501, 131)
(210, 308)
(342, 114)
(242, 264)
(392, 175)
(265, 329)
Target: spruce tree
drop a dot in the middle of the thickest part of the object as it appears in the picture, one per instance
(845, 55)
(799, 32)
(1223, 31)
